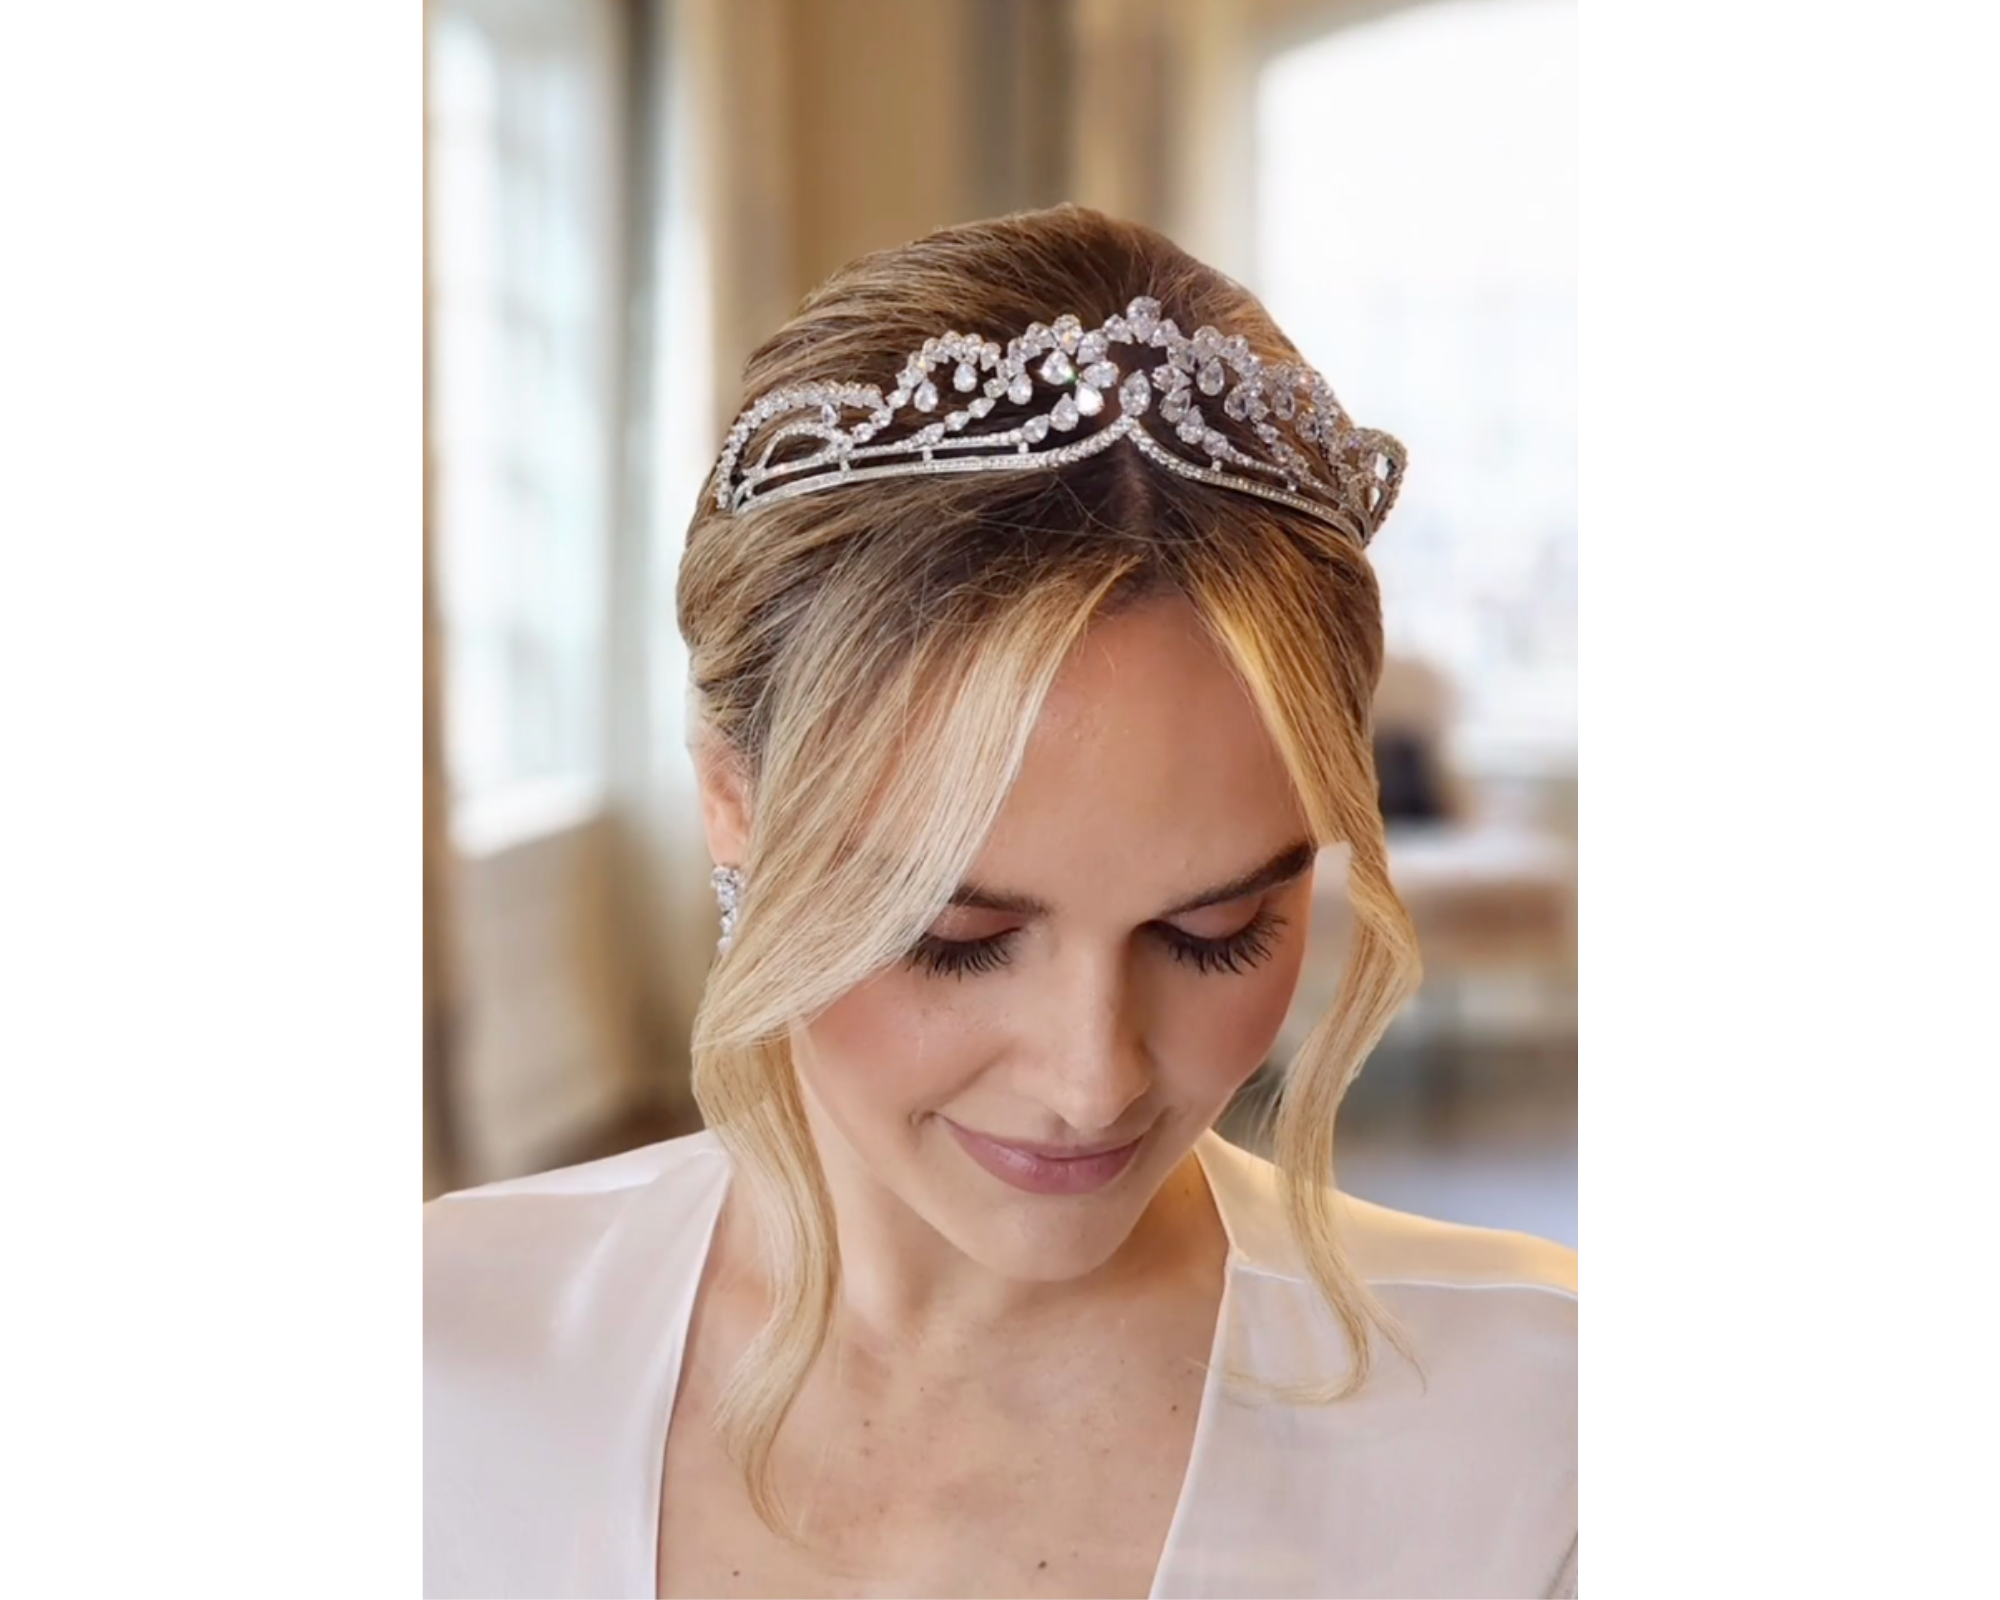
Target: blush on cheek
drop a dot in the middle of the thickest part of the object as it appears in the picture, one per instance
(881, 1053)
(1230, 1022)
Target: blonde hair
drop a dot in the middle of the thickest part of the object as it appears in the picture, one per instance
(872, 662)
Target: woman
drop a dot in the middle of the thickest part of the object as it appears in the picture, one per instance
(1033, 641)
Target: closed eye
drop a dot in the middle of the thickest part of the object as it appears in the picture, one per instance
(1250, 946)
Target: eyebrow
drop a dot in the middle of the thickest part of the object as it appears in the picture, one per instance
(1287, 864)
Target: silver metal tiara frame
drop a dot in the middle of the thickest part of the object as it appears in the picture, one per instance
(1315, 459)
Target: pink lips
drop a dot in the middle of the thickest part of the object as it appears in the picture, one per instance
(1041, 1170)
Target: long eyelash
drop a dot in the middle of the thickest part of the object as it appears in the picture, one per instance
(1246, 948)
(954, 958)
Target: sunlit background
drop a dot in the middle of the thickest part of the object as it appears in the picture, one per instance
(623, 196)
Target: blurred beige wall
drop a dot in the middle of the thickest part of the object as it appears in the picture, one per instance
(832, 129)
(881, 145)
(829, 130)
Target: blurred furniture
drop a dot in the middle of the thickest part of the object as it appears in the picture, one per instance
(1493, 898)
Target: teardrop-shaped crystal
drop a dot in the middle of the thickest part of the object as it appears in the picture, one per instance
(1089, 401)
(1067, 330)
(1175, 405)
(1092, 348)
(966, 379)
(1143, 316)
(926, 397)
(1035, 429)
(1065, 414)
(1021, 390)
(1135, 394)
(1100, 375)
(1238, 403)
(1282, 401)
(1057, 368)
(1211, 378)
(981, 406)
(957, 420)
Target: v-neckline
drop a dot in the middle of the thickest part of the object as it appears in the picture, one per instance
(664, 1390)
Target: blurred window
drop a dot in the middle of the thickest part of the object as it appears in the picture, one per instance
(524, 107)
(1416, 234)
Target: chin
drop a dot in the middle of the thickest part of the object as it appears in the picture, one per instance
(1034, 1238)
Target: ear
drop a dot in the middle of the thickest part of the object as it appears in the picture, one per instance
(725, 799)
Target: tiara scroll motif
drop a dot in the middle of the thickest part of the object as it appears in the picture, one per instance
(1313, 457)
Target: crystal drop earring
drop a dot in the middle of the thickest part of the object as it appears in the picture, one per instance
(728, 883)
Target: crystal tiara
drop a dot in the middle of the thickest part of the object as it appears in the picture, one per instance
(1313, 458)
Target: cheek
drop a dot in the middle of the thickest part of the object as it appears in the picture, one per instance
(1223, 1025)
(883, 1047)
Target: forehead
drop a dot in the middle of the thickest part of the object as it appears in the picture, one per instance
(1149, 775)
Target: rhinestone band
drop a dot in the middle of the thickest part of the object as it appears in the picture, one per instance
(1345, 476)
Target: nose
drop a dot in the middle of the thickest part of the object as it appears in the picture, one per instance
(1090, 1064)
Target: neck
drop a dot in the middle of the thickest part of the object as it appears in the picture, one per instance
(907, 1289)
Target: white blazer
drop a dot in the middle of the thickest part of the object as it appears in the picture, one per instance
(556, 1309)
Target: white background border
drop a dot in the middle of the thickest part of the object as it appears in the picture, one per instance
(209, 813)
